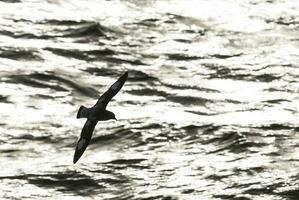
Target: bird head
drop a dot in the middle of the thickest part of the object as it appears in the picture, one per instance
(111, 115)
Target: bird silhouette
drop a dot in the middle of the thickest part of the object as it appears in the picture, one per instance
(96, 113)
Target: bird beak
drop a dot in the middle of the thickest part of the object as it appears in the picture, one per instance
(115, 119)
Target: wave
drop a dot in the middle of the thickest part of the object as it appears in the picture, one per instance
(184, 57)
(137, 75)
(128, 163)
(11, 1)
(57, 29)
(4, 99)
(117, 137)
(86, 30)
(235, 142)
(188, 86)
(225, 56)
(87, 55)
(276, 127)
(224, 72)
(68, 181)
(148, 92)
(52, 81)
(285, 20)
(20, 54)
(106, 55)
(189, 100)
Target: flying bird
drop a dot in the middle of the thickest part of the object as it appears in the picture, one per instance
(96, 113)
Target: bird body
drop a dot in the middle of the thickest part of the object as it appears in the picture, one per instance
(96, 113)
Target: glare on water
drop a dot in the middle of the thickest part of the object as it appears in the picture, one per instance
(209, 111)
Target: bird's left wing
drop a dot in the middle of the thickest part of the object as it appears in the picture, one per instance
(85, 138)
(113, 90)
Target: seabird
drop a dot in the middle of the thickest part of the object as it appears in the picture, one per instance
(96, 113)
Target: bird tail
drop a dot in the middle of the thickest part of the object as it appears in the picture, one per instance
(83, 112)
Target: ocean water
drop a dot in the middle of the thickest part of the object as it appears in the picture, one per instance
(209, 111)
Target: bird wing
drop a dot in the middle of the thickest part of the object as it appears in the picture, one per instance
(112, 91)
(85, 138)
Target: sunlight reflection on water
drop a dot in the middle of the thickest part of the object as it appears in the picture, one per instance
(209, 110)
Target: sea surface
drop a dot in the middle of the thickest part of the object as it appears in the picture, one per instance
(209, 111)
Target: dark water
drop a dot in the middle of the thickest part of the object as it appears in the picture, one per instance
(209, 111)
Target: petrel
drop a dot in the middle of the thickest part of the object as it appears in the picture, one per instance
(96, 113)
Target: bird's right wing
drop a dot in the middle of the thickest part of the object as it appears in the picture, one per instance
(85, 138)
(112, 91)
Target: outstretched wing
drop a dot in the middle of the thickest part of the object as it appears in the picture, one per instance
(85, 138)
(112, 91)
